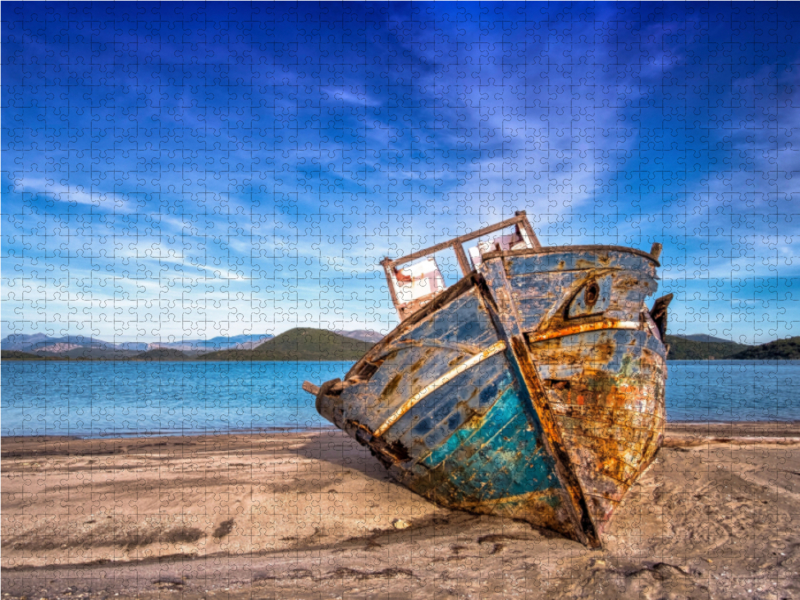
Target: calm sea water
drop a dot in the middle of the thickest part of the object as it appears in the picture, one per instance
(135, 398)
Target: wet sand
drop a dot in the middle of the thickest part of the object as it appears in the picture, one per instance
(314, 515)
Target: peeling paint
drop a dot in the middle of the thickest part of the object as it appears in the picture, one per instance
(500, 397)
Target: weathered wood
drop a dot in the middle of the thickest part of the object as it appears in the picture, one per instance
(310, 388)
(659, 313)
(572, 250)
(386, 263)
(555, 426)
(655, 251)
(442, 380)
(519, 218)
(529, 230)
(524, 370)
(463, 261)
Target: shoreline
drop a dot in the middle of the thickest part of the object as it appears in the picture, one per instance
(732, 429)
(687, 434)
(163, 434)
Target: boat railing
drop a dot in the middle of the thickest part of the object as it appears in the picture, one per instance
(413, 287)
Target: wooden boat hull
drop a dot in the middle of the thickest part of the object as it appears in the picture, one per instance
(603, 369)
(513, 394)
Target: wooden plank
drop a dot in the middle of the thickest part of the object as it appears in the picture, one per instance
(386, 263)
(529, 231)
(520, 218)
(463, 261)
(429, 423)
(310, 388)
(408, 404)
(535, 395)
(655, 251)
(572, 253)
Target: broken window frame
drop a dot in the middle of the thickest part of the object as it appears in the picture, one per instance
(520, 220)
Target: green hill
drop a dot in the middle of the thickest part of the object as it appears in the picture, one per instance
(94, 354)
(161, 354)
(18, 355)
(302, 343)
(683, 348)
(702, 337)
(788, 349)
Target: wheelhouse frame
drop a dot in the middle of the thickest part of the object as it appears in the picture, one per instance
(390, 266)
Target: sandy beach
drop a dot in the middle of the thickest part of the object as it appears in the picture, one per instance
(314, 515)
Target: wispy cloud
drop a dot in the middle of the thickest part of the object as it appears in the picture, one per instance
(30, 187)
(353, 94)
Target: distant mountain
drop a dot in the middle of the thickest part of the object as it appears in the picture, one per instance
(161, 354)
(702, 337)
(76, 341)
(87, 348)
(18, 355)
(136, 346)
(189, 346)
(22, 341)
(251, 345)
(58, 347)
(222, 342)
(788, 349)
(365, 335)
(685, 348)
(319, 344)
(67, 345)
(299, 344)
(54, 345)
(91, 353)
(233, 340)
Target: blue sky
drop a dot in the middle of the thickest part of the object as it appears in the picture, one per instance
(189, 170)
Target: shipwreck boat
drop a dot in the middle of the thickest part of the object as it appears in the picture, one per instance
(532, 388)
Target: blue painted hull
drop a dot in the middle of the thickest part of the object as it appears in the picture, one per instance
(488, 401)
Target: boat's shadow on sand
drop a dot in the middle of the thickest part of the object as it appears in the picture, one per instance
(345, 457)
(345, 454)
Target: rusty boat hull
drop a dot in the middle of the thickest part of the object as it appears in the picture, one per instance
(533, 388)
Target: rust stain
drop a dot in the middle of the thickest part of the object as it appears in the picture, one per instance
(558, 384)
(585, 327)
(423, 359)
(603, 351)
(587, 532)
(592, 294)
(456, 360)
(391, 387)
(599, 419)
(625, 283)
(495, 348)
(397, 450)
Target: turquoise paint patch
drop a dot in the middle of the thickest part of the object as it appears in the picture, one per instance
(457, 440)
(533, 471)
(447, 448)
(477, 474)
(521, 463)
(501, 458)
